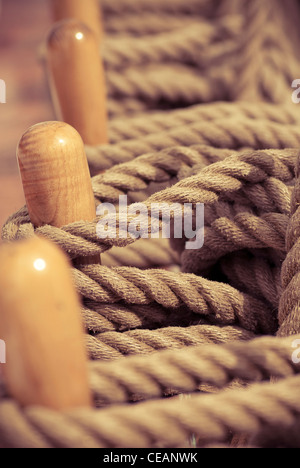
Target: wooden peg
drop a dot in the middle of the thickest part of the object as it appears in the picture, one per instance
(77, 81)
(87, 12)
(56, 178)
(40, 323)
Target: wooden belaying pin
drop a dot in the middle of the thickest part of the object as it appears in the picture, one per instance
(56, 178)
(77, 81)
(40, 323)
(85, 11)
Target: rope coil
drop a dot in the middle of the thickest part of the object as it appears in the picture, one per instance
(218, 322)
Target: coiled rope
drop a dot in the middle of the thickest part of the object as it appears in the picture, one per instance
(219, 322)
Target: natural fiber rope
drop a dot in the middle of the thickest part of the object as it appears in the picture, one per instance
(166, 332)
(152, 376)
(225, 133)
(289, 302)
(243, 39)
(113, 345)
(263, 280)
(250, 54)
(142, 125)
(168, 6)
(219, 302)
(261, 407)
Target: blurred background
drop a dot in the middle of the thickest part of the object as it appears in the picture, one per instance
(23, 27)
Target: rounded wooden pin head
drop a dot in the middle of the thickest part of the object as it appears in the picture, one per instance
(85, 11)
(40, 323)
(55, 176)
(77, 80)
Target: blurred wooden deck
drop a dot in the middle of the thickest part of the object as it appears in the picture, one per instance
(24, 25)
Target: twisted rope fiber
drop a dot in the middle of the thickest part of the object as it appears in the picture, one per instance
(169, 317)
(144, 254)
(231, 227)
(264, 280)
(289, 301)
(146, 23)
(260, 407)
(207, 186)
(257, 38)
(163, 166)
(185, 45)
(101, 318)
(142, 125)
(271, 166)
(114, 345)
(184, 370)
(245, 231)
(271, 195)
(256, 17)
(170, 6)
(238, 36)
(224, 133)
(159, 85)
(219, 302)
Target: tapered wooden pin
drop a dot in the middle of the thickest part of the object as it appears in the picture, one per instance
(40, 323)
(77, 81)
(85, 11)
(56, 178)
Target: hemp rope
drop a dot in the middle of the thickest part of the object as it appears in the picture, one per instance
(223, 133)
(144, 254)
(289, 304)
(169, 6)
(172, 291)
(169, 332)
(187, 45)
(146, 23)
(211, 417)
(142, 125)
(111, 344)
(257, 33)
(264, 280)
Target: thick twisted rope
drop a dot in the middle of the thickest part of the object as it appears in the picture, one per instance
(256, 17)
(185, 45)
(163, 166)
(101, 318)
(169, 6)
(246, 231)
(224, 133)
(289, 318)
(244, 44)
(113, 345)
(261, 407)
(159, 85)
(185, 370)
(254, 274)
(168, 317)
(144, 254)
(80, 239)
(142, 125)
(218, 302)
(146, 23)
(247, 168)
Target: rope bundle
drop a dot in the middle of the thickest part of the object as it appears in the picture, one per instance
(219, 322)
(201, 52)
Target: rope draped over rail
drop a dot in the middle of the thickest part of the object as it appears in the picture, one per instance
(218, 322)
